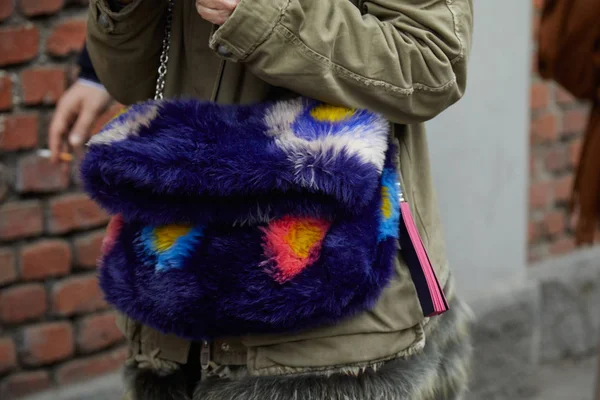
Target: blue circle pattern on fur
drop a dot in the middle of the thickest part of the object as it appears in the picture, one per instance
(390, 205)
(170, 245)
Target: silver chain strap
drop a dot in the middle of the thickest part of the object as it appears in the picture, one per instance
(164, 55)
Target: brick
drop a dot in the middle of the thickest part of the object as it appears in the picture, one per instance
(534, 63)
(19, 131)
(575, 148)
(574, 122)
(66, 38)
(533, 168)
(556, 159)
(85, 368)
(45, 258)
(533, 232)
(22, 303)
(540, 96)
(5, 91)
(87, 249)
(8, 269)
(544, 129)
(554, 222)
(20, 219)
(535, 26)
(564, 98)
(38, 175)
(563, 188)
(8, 355)
(6, 9)
(47, 343)
(98, 332)
(77, 295)
(34, 8)
(539, 195)
(5, 182)
(43, 85)
(562, 246)
(18, 44)
(75, 211)
(24, 383)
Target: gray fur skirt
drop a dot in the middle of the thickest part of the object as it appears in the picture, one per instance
(439, 372)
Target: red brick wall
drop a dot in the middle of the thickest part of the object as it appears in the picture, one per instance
(55, 327)
(557, 124)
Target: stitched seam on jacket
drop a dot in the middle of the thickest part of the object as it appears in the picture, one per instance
(461, 52)
(357, 77)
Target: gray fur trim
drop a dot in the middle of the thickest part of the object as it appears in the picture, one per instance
(439, 372)
(146, 384)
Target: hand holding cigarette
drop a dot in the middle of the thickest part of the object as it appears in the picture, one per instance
(71, 126)
(62, 156)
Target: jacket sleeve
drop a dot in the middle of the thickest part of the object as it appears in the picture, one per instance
(86, 69)
(405, 59)
(128, 41)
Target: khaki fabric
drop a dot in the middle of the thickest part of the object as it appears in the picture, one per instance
(405, 59)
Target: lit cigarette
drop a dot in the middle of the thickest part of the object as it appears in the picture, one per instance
(45, 153)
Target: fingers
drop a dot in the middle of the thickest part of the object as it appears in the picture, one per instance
(82, 104)
(82, 128)
(217, 17)
(61, 120)
(216, 11)
(225, 5)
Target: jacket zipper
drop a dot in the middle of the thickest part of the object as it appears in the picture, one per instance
(205, 350)
(217, 87)
(219, 77)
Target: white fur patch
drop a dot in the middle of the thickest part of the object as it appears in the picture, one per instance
(280, 117)
(366, 137)
(129, 126)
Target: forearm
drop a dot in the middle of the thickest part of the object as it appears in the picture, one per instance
(405, 60)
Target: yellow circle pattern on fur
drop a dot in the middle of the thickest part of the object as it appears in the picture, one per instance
(302, 236)
(386, 204)
(166, 235)
(329, 113)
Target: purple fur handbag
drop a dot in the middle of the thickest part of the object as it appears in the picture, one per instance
(244, 219)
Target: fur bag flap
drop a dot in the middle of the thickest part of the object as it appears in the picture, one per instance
(184, 160)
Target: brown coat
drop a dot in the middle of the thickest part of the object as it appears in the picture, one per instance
(569, 53)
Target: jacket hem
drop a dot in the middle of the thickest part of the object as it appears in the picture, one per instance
(348, 369)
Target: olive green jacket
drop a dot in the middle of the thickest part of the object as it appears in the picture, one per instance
(405, 59)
